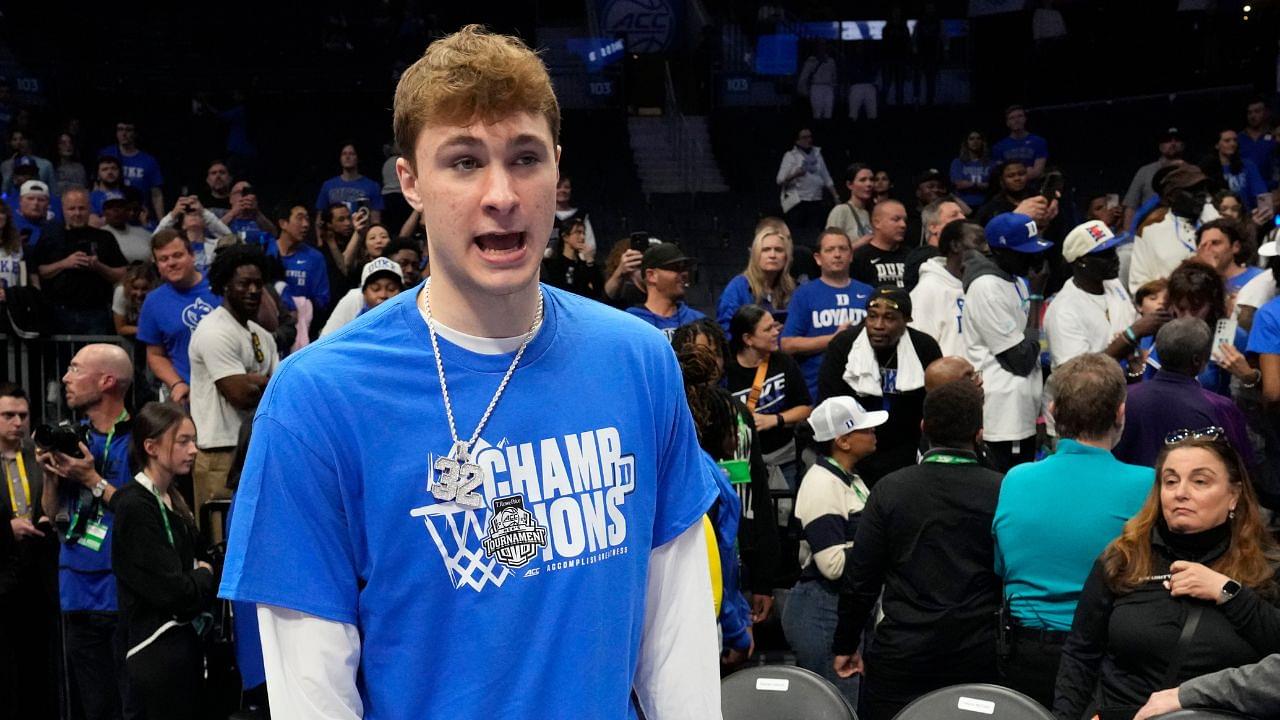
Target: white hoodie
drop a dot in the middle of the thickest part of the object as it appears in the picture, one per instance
(936, 305)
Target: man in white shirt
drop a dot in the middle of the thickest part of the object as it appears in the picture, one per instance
(1001, 319)
(1260, 290)
(232, 357)
(1162, 246)
(1093, 312)
(818, 80)
(134, 240)
(938, 299)
(805, 183)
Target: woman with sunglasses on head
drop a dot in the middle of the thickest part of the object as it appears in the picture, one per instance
(162, 587)
(1188, 588)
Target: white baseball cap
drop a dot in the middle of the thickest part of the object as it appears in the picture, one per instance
(380, 265)
(1090, 237)
(1268, 249)
(34, 187)
(841, 415)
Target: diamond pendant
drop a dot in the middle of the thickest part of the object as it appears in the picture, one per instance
(457, 478)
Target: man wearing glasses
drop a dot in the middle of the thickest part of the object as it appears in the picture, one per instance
(231, 359)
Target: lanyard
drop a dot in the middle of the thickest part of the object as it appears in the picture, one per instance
(946, 459)
(26, 485)
(106, 455)
(164, 515)
(111, 434)
(1177, 233)
(847, 477)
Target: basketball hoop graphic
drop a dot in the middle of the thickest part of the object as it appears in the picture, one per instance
(457, 533)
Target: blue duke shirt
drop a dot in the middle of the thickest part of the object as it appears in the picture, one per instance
(818, 309)
(139, 170)
(305, 273)
(1025, 150)
(350, 193)
(85, 580)
(535, 609)
(683, 316)
(169, 316)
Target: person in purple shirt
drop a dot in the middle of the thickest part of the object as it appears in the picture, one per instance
(1258, 141)
(666, 275)
(305, 273)
(351, 188)
(140, 169)
(1173, 400)
(1021, 146)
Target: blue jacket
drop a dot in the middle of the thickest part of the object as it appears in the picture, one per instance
(725, 512)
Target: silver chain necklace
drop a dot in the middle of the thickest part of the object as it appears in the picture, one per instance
(458, 477)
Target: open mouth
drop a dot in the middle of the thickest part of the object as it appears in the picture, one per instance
(499, 245)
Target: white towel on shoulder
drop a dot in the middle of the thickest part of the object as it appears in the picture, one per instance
(862, 371)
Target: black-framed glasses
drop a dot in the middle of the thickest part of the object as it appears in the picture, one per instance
(258, 355)
(1213, 432)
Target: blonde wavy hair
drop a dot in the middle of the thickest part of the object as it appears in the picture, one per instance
(784, 286)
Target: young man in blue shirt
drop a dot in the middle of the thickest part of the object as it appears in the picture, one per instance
(140, 169)
(1258, 141)
(350, 187)
(171, 312)
(666, 275)
(305, 274)
(823, 307)
(81, 490)
(548, 488)
(1021, 146)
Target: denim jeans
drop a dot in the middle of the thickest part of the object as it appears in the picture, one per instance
(809, 622)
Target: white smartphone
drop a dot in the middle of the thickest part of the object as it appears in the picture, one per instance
(1113, 200)
(1225, 332)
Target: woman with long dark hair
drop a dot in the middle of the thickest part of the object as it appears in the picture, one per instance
(1228, 171)
(971, 170)
(163, 589)
(1197, 556)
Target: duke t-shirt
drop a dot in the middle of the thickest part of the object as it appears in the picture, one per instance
(535, 598)
(783, 388)
(818, 309)
(875, 267)
(139, 170)
(305, 273)
(683, 316)
(169, 316)
(1025, 150)
(350, 193)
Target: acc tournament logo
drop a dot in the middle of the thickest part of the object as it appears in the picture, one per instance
(514, 536)
(648, 25)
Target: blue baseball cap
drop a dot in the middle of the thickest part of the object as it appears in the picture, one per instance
(1017, 232)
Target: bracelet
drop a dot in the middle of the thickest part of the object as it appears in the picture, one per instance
(1130, 335)
(180, 382)
(780, 422)
(1035, 298)
(1257, 378)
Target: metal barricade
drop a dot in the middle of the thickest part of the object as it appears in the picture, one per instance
(38, 366)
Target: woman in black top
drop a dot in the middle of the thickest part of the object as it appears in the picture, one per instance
(1196, 560)
(782, 400)
(162, 588)
(571, 265)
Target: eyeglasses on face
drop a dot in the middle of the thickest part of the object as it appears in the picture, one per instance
(1212, 432)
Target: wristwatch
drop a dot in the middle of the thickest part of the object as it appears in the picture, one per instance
(101, 487)
(1229, 590)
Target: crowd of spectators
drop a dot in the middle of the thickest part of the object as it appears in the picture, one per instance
(978, 412)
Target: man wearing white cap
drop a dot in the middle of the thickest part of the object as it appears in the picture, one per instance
(33, 211)
(1260, 290)
(828, 506)
(380, 279)
(1093, 311)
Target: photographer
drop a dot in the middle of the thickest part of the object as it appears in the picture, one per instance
(198, 224)
(246, 219)
(163, 588)
(80, 491)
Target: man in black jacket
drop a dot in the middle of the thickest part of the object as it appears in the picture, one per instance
(925, 540)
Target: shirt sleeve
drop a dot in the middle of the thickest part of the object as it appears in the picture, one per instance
(219, 351)
(1264, 337)
(157, 176)
(1083, 651)
(1067, 336)
(797, 324)
(323, 196)
(375, 196)
(109, 251)
(1040, 146)
(149, 331)
(1252, 689)
(677, 672)
(1133, 197)
(318, 282)
(995, 324)
(289, 543)
(311, 665)
(1255, 183)
(797, 392)
(730, 301)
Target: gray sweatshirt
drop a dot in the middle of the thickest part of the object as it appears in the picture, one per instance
(1253, 689)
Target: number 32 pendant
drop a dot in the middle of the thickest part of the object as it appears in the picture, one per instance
(457, 478)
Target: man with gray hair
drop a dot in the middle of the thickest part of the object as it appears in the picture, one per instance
(935, 216)
(1173, 400)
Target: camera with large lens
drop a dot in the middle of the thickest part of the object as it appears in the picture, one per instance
(63, 437)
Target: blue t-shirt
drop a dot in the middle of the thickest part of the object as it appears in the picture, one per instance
(1237, 283)
(85, 581)
(169, 316)
(1262, 152)
(683, 316)
(305, 274)
(738, 293)
(1213, 378)
(1264, 336)
(350, 193)
(817, 309)
(972, 171)
(98, 197)
(537, 597)
(1025, 150)
(1247, 183)
(252, 233)
(139, 170)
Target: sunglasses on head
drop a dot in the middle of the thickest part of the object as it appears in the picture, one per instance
(1212, 432)
(258, 355)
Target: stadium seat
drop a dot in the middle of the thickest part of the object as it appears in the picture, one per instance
(973, 702)
(1198, 714)
(781, 692)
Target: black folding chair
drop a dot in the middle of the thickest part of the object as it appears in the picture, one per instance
(1198, 714)
(781, 692)
(976, 701)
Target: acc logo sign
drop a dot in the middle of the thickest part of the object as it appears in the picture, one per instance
(649, 25)
(514, 536)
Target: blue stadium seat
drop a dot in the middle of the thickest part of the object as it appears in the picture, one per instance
(781, 692)
(976, 701)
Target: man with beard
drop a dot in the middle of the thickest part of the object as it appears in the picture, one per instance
(1001, 319)
(1142, 188)
(1093, 312)
(931, 186)
(1162, 245)
(666, 275)
(231, 357)
(881, 365)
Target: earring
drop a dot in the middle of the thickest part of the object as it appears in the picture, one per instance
(1231, 514)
